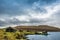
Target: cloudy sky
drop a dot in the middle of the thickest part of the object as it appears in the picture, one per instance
(29, 12)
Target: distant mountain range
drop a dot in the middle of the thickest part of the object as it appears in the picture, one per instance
(39, 28)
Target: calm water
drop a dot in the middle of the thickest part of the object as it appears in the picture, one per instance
(51, 36)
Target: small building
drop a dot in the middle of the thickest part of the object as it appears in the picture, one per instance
(10, 29)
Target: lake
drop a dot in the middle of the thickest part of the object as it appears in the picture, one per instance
(51, 36)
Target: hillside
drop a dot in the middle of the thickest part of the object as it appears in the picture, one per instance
(19, 32)
(38, 28)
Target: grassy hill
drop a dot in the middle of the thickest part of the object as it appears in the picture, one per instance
(39, 28)
(19, 32)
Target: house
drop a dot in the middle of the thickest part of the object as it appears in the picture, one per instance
(10, 29)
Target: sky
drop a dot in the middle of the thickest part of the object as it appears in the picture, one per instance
(29, 12)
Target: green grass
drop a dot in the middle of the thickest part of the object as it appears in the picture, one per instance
(16, 35)
(11, 35)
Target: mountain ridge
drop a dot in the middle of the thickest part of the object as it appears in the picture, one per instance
(39, 28)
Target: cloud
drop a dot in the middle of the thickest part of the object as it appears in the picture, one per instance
(29, 12)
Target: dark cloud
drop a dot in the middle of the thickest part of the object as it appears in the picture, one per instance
(15, 21)
(48, 1)
(12, 8)
(2, 23)
(16, 7)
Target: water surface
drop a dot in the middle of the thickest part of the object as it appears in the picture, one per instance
(51, 36)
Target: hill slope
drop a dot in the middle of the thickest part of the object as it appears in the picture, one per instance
(38, 28)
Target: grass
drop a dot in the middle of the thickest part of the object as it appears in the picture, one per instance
(16, 35)
(11, 35)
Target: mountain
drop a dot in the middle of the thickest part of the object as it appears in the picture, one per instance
(39, 28)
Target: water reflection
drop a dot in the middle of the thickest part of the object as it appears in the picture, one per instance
(50, 36)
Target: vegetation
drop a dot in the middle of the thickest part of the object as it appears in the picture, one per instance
(19, 32)
(14, 34)
(11, 35)
(39, 28)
